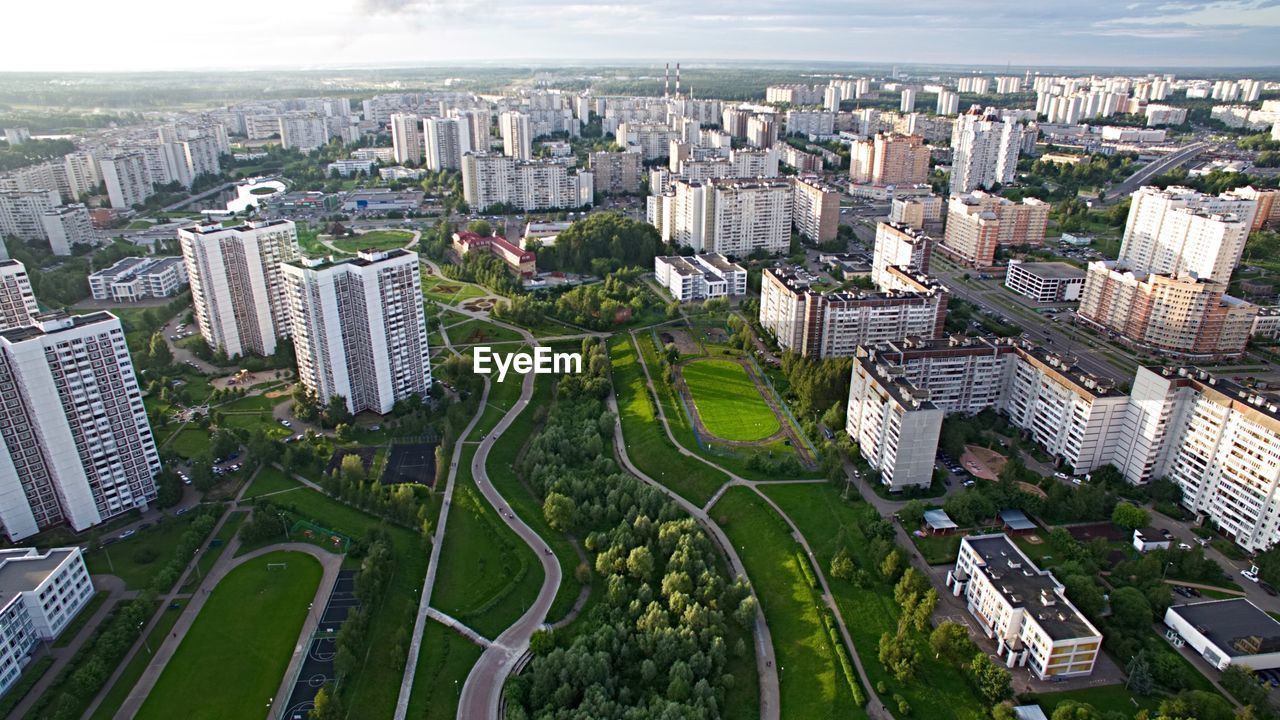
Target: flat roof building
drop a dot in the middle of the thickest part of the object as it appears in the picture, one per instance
(39, 595)
(1025, 610)
(700, 277)
(1228, 632)
(1045, 282)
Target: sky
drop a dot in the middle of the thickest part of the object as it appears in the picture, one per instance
(99, 35)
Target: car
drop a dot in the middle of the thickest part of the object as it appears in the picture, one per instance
(127, 534)
(286, 423)
(969, 483)
(1250, 575)
(1202, 542)
(181, 511)
(1183, 546)
(1266, 587)
(1060, 475)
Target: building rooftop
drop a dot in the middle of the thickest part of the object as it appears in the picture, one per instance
(51, 323)
(1235, 626)
(1024, 585)
(680, 265)
(894, 382)
(22, 570)
(123, 266)
(1241, 397)
(939, 520)
(1051, 270)
(1015, 519)
(720, 262)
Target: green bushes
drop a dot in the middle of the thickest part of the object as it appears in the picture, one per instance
(89, 670)
(187, 546)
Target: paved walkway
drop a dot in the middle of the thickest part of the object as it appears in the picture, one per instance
(458, 626)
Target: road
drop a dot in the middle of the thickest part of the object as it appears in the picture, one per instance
(1061, 336)
(1151, 169)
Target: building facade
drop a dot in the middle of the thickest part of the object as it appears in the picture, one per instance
(985, 151)
(1045, 282)
(889, 159)
(979, 222)
(815, 209)
(77, 446)
(135, 278)
(700, 277)
(17, 301)
(1179, 230)
(489, 179)
(236, 283)
(40, 593)
(1025, 610)
(359, 330)
(902, 247)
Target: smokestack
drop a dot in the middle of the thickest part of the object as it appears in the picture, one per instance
(666, 81)
(677, 79)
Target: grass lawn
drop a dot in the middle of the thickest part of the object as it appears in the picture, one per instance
(374, 239)
(938, 549)
(251, 403)
(812, 684)
(30, 676)
(1109, 698)
(938, 690)
(235, 653)
(116, 696)
(728, 401)
(443, 664)
(647, 444)
(270, 480)
(488, 577)
(138, 559)
(479, 332)
(77, 623)
(190, 442)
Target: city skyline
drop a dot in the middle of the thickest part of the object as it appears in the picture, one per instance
(372, 33)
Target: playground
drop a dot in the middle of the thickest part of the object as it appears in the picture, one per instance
(411, 463)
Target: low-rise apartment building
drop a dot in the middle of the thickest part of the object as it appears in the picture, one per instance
(39, 595)
(1045, 282)
(134, 278)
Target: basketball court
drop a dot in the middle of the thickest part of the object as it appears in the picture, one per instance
(317, 666)
(411, 463)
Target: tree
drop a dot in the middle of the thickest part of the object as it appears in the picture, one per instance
(898, 655)
(559, 510)
(336, 412)
(328, 706)
(1130, 516)
(1130, 609)
(1139, 670)
(892, 565)
(950, 641)
(352, 469)
(1072, 710)
(991, 680)
(159, 352)
(911, 514)
(640, 563)
(842, 565)
(480, 227)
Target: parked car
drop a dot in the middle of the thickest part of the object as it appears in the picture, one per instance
(127, 534)
(1249, 575)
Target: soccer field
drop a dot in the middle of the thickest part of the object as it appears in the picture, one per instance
(233, 658)
(728, 401)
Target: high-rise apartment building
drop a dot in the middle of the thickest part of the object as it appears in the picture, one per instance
(1180, 315)
(1074, 416)
(889, 159)
(978, 223)
(489, 179)
(127, 179)
(1179, 230)
(406, 137)
(21, 212)
(445, 141)
(477, 124)
(1219, 441)
(916, 210)
(66, 226)
(17, 302)
(359, 330)
(833, 324)
(517, 135)
(76, 444)
(236, 283)
(902, 247)
(616, 173)
(815, 209)
(948, 103)
(763, 131)
(908, 103)
(984, 151)
(734, 217)
(303, 132)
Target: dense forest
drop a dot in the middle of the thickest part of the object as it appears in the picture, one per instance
(602, 243)
(656, 645)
